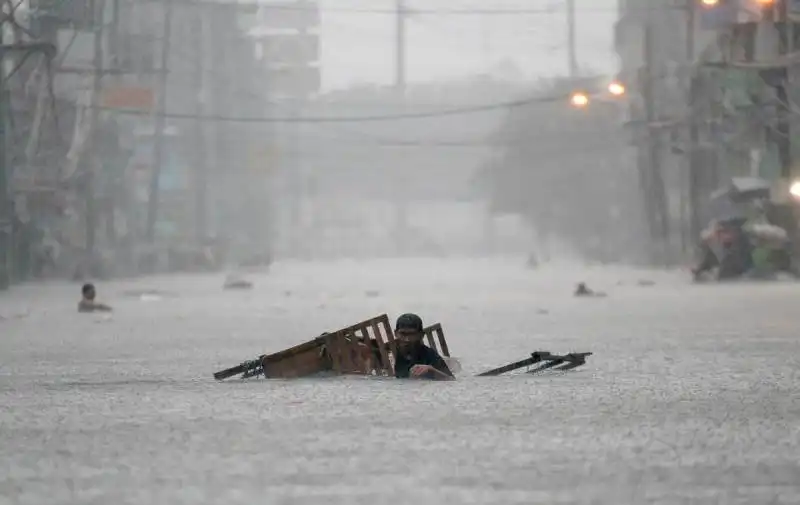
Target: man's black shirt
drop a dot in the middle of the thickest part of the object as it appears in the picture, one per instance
(420, 355)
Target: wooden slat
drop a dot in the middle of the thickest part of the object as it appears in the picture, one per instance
(387, 326)
(442, 341)
(365, 353)
(349, 354)
(383, 347)
(434, 332)
(347, 342)
(431, 341)
(334, 352)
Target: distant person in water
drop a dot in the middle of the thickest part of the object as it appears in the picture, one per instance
(414, 359)
(88, 303)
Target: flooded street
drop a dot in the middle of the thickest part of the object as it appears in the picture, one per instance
(691, 395)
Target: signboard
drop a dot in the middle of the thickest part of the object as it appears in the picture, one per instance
(794, 9)
(728, 12)
(293, 49)
(290, 16)
(129, 97)
(293, 81)
(78, 14)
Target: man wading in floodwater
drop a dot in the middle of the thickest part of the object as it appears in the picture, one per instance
(414, 359)
(88, 303)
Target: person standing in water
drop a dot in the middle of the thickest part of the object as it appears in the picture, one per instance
(88, 303)
(414, 359)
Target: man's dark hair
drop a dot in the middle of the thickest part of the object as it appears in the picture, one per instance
(408, 322)
(86, 288)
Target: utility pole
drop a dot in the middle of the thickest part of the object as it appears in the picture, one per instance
(401, 207)
(571, 42)
(114, 39)
(655, 197)
(160, 119)
(27, 48)
(5, 203)
(400, 47)
(201, 161)
(91, 159)
(783, 128)
(694, 133)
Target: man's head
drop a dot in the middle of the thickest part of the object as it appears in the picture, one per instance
(88, 291)
(408, 330)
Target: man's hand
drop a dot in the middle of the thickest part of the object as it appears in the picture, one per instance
(420, 370)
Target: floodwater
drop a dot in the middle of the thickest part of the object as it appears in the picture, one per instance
(691, 396)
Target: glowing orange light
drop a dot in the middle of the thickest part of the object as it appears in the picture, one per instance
(616, 88)
(579, 99)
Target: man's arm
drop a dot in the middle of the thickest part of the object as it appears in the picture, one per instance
(436, 370)
(442, 375)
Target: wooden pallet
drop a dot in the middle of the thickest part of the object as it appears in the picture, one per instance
(365, 348)
(433, 333)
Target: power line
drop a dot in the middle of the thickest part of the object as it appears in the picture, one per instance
(366, 10)
(346, 119)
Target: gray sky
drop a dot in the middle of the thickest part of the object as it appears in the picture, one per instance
(358, 47)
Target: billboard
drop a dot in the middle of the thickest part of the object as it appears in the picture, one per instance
(794, 9)
(728, 12)
(281, 48)
(293, 81)
(128, 97)
(299, 16)
(78, 14)
(290, 53)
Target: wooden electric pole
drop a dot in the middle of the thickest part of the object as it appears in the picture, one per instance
(90, 157)
(655, 193)
(401, 206)
(202, 48)
(6, 210)
(5, 201)
(400, 48)
(783, 126)
(691, 153)
(160, 120)
(572, 49)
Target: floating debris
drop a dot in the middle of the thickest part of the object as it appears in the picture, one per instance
(582, 290)
(236, 282)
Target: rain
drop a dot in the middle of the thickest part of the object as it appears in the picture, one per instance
(220, 222)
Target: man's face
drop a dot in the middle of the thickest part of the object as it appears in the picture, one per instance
(89, 294)
(407, 339)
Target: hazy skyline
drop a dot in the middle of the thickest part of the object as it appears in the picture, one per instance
(359, 47)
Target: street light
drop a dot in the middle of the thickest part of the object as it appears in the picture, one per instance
(709, 3)
(794, 189)
(579, 99)
(616, 88)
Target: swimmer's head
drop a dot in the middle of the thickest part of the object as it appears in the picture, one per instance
(88, 291)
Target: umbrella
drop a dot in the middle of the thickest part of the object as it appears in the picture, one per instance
(732, 201)
(744, 189)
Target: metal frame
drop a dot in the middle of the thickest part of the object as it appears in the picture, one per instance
(548, 361)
